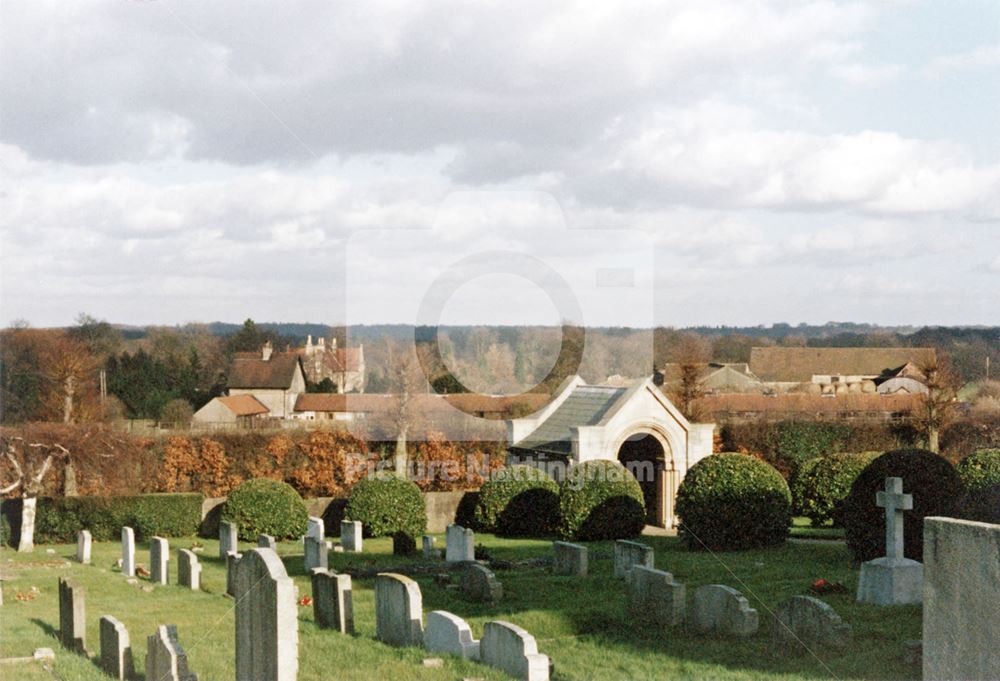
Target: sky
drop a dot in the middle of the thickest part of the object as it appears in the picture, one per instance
(730, 162)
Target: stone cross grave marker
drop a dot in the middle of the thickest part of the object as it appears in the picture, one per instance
(892, 579)
(267, 619)
(116, 649)
(894, 502)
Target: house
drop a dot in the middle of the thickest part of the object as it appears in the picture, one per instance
(637, 426)
(339, 407)
(236, 410)
(276, 379)
(345, 367)
(716, 377)
(835, 371)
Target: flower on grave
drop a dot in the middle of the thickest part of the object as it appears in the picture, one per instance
(820, 583)
(305, 601)
(142, 571)
(822, 586)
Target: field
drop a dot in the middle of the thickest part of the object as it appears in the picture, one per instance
(581, 624)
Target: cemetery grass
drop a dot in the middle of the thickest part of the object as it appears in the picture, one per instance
(580, 623)
(802, 528)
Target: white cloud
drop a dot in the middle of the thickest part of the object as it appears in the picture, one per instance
(983, 57)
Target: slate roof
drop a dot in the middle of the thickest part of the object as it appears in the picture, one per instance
(586, 406)
(799, 365)
(672, 370)
(254, 372)
(243, 405)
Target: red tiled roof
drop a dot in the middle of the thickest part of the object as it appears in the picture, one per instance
(250, 371)
(244, 405)
(805, 403)
(798, 365)
(376, 403)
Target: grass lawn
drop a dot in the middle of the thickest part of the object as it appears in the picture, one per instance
(802, 529)
(581, 624)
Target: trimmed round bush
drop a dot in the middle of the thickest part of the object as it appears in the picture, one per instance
(386, 506)
(980, 473)
(600, 500)
(826, 483)
(518, 501)
(797, 484)
(936, 490)
(731, 502)
(264, 506)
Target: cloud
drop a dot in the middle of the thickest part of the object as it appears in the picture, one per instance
(983, 57)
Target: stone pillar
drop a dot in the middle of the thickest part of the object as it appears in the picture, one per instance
(460, 544)
(267, 625)
(350, 535)
(159, 560)
(228, 538)
(72, 616)
(399, 612)
(165, 659)
(333, 604)
(83, 544)
(189, 569)
(116, 649)
(128, 552)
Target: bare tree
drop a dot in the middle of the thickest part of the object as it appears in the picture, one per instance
(404, 380)
(29, 463)
(691, 353)
(938, 405)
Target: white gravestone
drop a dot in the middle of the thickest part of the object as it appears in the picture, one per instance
(398, 610)
(267, 624)
(83, 544)
(316, 528)
(892, 579)
(128, 552)
(723, 610)
(188, 569)
(508, 647)
(449, 634)
(228, 538)
(350, 535)
(460, 544)
(159, 559)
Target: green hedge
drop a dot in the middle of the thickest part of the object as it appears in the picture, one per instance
(824, 484)
(58, 519)
(797, 485)
(980, 472)
(518, 501)
(934, 484)
(731, 502)
(600, 500)
(264, 506)
(387, 505)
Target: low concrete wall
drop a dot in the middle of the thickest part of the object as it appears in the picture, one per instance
(442, 509)
(961, 599)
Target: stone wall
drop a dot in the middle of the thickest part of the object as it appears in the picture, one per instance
(961, 599)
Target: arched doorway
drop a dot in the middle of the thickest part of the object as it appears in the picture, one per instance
(643, 455)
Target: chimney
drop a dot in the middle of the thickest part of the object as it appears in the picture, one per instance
(265, 352)
(309, 344)
(333, 343)
(322, 344)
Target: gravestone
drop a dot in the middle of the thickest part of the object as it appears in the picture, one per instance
(629, 554)
(961, 620)
(128, 552)
(460, 544)
(228, 538)
(189, 569)
(569, 559)
(316, 528)
(478, 583)
(72, 616)
(398, 610)
(159, 559)
(654, 597)
(508, 647)
(116, 649)
(83, 544)
(267, 624)
(430, 553)
(232, 561)
(350, 535)
(165, 659)
(723, 610)
(450, 635)
(333, 604)
(892, 579)
(315, 553)
(266, 541)
(807, 621)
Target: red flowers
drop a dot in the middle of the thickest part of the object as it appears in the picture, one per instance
(822, 586)
(305, 601)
